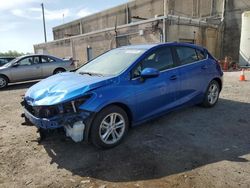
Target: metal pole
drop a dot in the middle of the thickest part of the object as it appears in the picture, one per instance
(127, 14)
(116, 39)
(194, 37)
(44, 27)
(164, 20)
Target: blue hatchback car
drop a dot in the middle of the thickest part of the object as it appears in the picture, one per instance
(122, 88)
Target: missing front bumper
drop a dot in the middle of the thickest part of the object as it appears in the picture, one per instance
(66, 121)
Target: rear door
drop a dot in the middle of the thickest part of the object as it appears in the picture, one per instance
(193, 68)
(27, 68)
(48, 66)
(155, 95)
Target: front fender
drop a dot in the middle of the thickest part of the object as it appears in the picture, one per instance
(7, 73)
(105, 96)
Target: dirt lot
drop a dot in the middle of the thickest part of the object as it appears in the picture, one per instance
(194, 147)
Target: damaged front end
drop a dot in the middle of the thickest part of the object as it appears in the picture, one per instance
(75, 121)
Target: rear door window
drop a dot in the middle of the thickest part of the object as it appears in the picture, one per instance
(36, 60)
(187, 55)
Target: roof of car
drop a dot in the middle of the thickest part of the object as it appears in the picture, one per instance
(31, 55)
(149, 46)
(140, 46)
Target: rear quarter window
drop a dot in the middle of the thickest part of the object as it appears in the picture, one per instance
(45, 59)
(50, 60)
(201, 55)
(187, 55)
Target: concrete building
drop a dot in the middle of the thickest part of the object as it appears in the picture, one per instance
(211, 23)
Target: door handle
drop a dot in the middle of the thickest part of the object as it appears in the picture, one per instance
(204, 67)
(174, 77)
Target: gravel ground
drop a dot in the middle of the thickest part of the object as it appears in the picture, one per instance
(193, 147)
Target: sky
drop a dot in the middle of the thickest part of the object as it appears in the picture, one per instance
(21, 24)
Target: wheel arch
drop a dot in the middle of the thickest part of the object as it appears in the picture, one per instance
(59, 68)
(119, 104)
(126, 109)
(219, 82)
(5, 77)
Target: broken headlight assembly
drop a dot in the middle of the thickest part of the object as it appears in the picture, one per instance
(73, 106)
(64, 108)
(45, 111)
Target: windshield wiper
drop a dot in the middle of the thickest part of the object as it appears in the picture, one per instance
(91, 73)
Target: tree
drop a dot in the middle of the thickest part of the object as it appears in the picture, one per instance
(11, 53)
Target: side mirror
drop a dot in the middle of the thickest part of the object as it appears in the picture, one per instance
(150, 73)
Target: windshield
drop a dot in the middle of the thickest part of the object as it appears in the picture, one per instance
(112, 62)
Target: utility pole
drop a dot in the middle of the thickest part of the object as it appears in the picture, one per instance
(44, 27)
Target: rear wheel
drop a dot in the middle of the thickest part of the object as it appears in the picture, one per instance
(212, 94)
(59, 70)
(3, 82)
(109, 127)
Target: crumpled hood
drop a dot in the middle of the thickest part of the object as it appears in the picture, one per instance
(63, 87)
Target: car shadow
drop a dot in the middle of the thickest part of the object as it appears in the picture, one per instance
(19, 85)
(175, 143)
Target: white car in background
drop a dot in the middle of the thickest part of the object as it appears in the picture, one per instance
(33, 67)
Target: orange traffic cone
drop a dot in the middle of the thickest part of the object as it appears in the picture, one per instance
(242, 76)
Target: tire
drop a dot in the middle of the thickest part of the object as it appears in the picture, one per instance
(3, 81)
(105, 135)
(59, 70)
(212, 94)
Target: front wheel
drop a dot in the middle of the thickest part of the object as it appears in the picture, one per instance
(212, 94)
(60, 70)
(3, 82)
(109, 127)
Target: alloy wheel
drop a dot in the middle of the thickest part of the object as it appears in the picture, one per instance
(3, 82)
(213, 93)
(112, 128)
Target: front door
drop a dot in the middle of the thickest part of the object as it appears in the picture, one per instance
(28, 68)
(155, 95)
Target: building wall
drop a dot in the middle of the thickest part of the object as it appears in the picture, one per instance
(106, 19)
(141, 9)
(150, 32)
(218, 41)
(232, 27)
